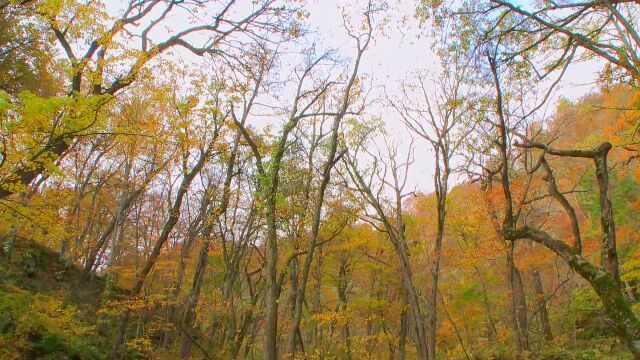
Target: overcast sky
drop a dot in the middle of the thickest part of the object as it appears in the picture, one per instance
(401, 49)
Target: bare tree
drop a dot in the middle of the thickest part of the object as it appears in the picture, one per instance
(383, 189)
(343, 108)
(438, 118)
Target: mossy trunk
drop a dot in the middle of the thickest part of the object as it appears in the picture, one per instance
(616, 307)
(622, 319)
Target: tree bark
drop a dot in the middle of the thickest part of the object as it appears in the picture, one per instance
(518, 304)
(623, 320)
(189, 313)
(402, 336)
(609, 255)
(541, 306)
(441, 184)
(343, 283)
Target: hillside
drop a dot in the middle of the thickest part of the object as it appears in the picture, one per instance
(47, 310)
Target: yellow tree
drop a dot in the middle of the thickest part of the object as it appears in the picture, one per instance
(101, 61)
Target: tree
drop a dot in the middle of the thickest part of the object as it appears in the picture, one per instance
(26, 57)
(343, 108)
(308, 96)
(439, 120)
(606, 30)
(604, 279)
(95, 77)
(205, 152)
(388, 217)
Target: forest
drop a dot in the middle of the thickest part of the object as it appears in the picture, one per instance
(319, 179)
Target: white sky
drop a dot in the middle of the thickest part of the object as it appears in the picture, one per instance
(391, 57)
(404, 48)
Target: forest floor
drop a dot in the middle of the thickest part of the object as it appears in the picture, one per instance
(52, 311)
(48, 310)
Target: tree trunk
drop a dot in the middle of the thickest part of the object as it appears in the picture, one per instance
(125, 202)
(623, 320)
(414, 302)
(270, 350)
(402, 336)
(189, 313)
(541, 306)
(327, 168)
(518, 304)
(317, 332)
(435, 268)
(609, 256)
(343, 282)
